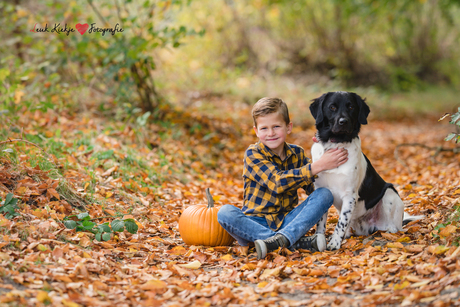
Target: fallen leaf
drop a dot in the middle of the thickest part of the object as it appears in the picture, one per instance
(402, 285)
(69, 303)
(192, 265)
(154, 284)
(54, 193)
(394, 245)
(448, 230)
(414, 248)
(438, 249)
(389, 236)
(262, 284)
(43, 297)
(267, 273)
(227, 257)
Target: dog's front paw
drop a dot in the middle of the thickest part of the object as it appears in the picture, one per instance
(334, 244)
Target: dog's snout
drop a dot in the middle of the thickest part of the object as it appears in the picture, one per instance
(343, 121)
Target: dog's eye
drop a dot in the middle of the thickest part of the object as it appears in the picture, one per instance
(333, 108)
(350, 108)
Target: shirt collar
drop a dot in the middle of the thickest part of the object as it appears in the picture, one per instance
(267, 151)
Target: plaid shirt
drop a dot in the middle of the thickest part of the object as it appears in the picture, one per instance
(270, 185)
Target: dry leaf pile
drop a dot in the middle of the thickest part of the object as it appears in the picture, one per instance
(43, 263)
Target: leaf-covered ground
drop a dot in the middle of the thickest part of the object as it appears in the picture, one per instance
(152, 173)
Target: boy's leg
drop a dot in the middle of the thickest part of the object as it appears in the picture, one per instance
(245, 229)
(300, 220)
(297, 223)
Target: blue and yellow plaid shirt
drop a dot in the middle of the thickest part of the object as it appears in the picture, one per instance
(270, 185)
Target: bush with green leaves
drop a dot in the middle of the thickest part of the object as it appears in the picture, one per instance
(103, 232)
(116, 65)
(9, 206)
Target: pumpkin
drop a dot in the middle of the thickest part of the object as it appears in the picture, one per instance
(198, 225)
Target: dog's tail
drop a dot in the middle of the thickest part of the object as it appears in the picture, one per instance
(407, 218)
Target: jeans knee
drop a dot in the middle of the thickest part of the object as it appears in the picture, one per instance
(326, 195)
(224, 213)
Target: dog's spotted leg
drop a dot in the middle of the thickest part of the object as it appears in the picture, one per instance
(321, 226)
(348, 205)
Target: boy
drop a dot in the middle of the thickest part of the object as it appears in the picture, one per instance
(273, 171)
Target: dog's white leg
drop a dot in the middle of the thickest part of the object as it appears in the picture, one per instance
(393, 209)
(321, 226)
(348, 206)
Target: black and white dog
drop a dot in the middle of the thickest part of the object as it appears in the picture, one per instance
(365, 201)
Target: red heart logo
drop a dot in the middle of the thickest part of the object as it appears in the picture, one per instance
(82, 28)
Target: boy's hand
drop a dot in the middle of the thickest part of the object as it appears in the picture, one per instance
(330, 159)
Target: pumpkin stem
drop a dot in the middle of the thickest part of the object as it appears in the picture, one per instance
(209, 197)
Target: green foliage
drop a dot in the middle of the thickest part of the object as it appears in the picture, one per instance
(128, 58)
(104, 155)
(56, 70)
(395, 45)
(455, 120)
(9, 206)
(103, 232)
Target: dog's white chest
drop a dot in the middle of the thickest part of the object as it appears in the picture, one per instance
(346, 178)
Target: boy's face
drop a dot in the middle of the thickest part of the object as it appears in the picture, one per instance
(272, 131)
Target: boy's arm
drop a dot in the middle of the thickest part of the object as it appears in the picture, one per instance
(330, 159)
(268, 175)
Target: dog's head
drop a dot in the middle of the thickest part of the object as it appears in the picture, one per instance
(339, 116)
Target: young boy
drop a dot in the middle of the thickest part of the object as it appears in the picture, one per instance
(273, 171)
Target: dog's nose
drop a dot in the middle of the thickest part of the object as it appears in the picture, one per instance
(343, 121)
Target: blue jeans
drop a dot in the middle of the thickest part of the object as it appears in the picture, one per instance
(246, 229)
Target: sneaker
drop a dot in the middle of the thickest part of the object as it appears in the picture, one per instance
(314, 243)
(263, 247)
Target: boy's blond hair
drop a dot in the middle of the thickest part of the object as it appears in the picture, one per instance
(269, 105)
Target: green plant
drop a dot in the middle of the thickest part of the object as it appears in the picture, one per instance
(455, 120)
(9, 206)
(128, 58)
(103, 232)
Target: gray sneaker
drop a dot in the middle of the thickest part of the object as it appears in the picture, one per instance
(263, 247)
(314, 243)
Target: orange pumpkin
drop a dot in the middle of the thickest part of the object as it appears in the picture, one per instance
(198, 225)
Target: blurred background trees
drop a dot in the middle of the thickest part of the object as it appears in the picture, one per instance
(173, 51)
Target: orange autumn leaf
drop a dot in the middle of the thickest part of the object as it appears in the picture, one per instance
(178, 250)
(153, 284)
(315, 272)
(395, 245)
(43, 297)
(389, 236)
(448, 230)
(54, 193)
(249, 266)
(262, 284)
(69, 303)
(85, 241)
(227, 257)
(414, 248)
(267, 273)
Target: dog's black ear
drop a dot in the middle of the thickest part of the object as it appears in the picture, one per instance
(363, 109)
(316, 108)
